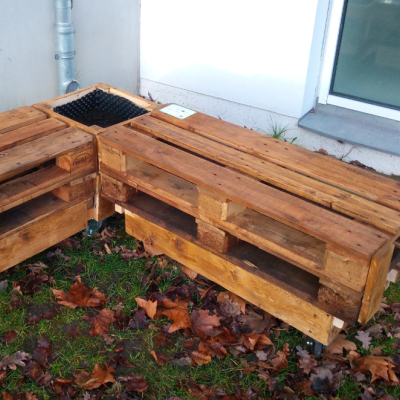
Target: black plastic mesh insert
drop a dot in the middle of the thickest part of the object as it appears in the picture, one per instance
(100, 108)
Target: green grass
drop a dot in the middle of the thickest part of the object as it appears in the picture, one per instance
(120, 281)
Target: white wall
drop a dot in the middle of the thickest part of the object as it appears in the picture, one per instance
(106, 42)
(255, 53)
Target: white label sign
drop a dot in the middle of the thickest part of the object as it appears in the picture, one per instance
(178, 111)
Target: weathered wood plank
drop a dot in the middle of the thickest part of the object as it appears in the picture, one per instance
(22, 116)
(47, 231)
(234, 274)
(21, 158)
(29, 133)
(375, 187)
(358, 240)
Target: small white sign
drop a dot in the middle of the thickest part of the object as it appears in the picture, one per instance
(178, 111)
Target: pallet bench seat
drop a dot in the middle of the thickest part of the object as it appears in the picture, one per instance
(47, 178)
(340, 237)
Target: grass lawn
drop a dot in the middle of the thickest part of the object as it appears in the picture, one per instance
(236, 371)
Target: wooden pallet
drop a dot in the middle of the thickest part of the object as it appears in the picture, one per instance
(103, 208)
(327, 228)
(47, 178)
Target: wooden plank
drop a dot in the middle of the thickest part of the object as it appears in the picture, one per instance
(27, 187)
(376, 282)
(375, 187)
(29, 133)
(22, 158)
(358, 240)
(281, 240)
(19, 246)
(234, 274)
(316, 191)
(22, 116)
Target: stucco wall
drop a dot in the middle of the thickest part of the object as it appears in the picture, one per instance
(255, 53)
(106, 42)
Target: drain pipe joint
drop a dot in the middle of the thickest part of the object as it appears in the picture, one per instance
(65, 50)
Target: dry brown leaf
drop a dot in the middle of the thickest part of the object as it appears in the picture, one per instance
(80, 295)
(200, 358)
(17, 358)
(307, 361)
(7, 396)
(150, 307)
(161, 359)
(203, 324)
(151, 250)
(189, 272)
(98, 377)
(251, 340)
(30, 396)
(179, 317)
(380, 368)
(100, 323)
(136, 384)
(233, 298)
(340, 343)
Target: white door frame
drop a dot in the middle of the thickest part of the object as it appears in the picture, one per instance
(331, 42)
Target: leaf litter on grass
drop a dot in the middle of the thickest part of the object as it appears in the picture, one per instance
(189, 325)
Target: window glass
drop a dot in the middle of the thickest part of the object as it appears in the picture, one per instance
(367, 64)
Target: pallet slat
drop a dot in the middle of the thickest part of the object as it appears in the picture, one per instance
(21, 158)
(383, 190)
(359, 240)
(29, 133)
(319, 192)
(22, 116)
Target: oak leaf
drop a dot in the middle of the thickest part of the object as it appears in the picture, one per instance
(100, 323)
(224, 296)
(98, 377)
(380, 368)
(18, 358)
(203, 324)
(340, 343)
(150, 307)
(364, 338)
(307, 361)
(80, 295)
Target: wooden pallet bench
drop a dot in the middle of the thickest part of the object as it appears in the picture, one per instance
(103, 208)
(47, 177)
(305, 237)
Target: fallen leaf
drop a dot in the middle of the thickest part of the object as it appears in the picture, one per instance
(30, 396)
(251, 340)
(203, 324)
(307, 361)
(80, 295)
(364, 338)
(7, 396)
(139, 320)
(182, 362)
(136, 385)
(326, 382)
(380, 368)
(200, 358)
(340, 343)
(9, 337)
(98, 377)
(151, 250)
(150, 307)
(3, 375)
(256, 323)
(161, 359)
(18, 358)
(100, 323)
(189, 272)
(233, 298)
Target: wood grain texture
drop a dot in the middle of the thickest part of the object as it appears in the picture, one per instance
(22, 116)
(375, 187)
(376, 282)
(47, 231)
(304, 186)
(359, 240)
(21, 158)
(235, 275)
(31, 132)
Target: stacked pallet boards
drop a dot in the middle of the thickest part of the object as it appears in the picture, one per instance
(102, 207)
(303, 236)
(47, 178)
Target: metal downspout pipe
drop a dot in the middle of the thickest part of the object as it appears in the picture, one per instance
(65, 50)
